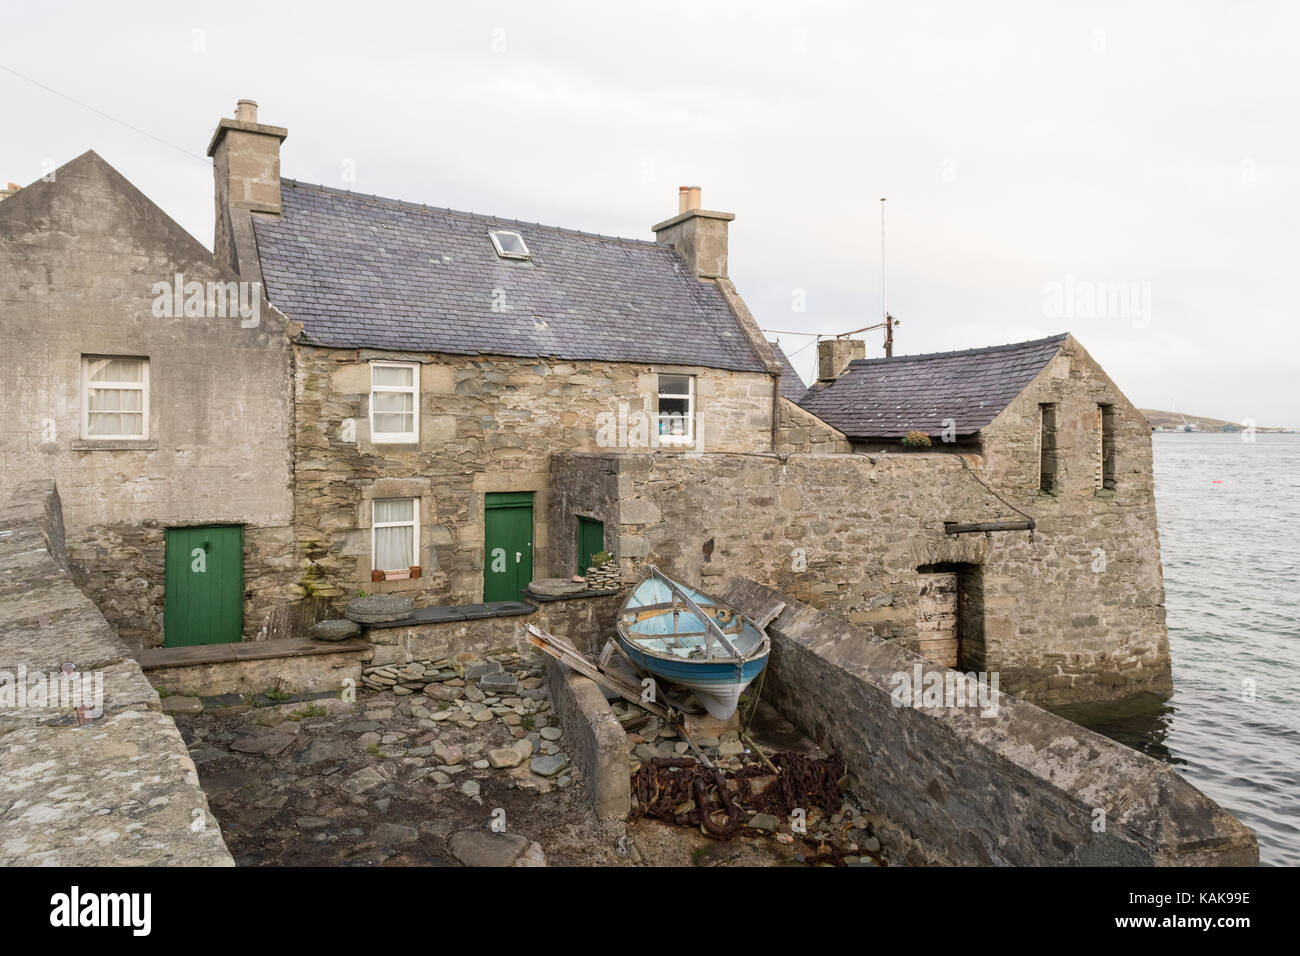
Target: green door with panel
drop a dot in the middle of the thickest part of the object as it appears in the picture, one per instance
(508, 545)
(204, 590)
(591, 541)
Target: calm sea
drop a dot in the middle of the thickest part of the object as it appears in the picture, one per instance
(1229, 515)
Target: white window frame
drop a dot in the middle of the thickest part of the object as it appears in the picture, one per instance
(140, 386)
(396, 438)
(496, 244)
(689, 437)
(414, 524)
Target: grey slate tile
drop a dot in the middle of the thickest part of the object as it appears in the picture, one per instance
(888, 397)
(359, 271)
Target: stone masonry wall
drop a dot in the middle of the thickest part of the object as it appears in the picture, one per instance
(79, 257)
(487, 424)
(848, 533)
(1004, 785)
(111, 784)
(1105, 585)
(799, 431)
(584, 622)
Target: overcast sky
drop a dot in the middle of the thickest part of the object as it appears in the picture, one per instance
(1126, 172)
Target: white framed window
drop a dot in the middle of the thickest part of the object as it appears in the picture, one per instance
(394, 533)
(114, 397)
(395, 402)
(509, 245)
(676, 424)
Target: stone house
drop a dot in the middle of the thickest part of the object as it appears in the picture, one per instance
(448, 405)
(155, 391)
(441, 358)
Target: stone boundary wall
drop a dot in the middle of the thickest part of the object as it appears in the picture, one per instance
(1021, 787)
(581, 621)
(115, 789)
(597, 742)
(292, 665)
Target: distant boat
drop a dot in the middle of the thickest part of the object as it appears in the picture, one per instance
(685, 637)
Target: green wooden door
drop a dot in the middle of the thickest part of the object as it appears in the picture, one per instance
(508, 545)
(204, 590)
(591, 541)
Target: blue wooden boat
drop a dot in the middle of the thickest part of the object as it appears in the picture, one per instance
(683, 636)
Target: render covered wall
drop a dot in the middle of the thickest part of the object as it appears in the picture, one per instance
(79, 257)
(487, 424)
(850, 533)
(109, 785)
(997, 783)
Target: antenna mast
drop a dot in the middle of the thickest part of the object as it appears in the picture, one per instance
(889, 319)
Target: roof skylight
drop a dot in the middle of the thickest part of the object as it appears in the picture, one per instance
(509, 245)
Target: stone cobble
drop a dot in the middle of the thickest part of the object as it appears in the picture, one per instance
(478, 778)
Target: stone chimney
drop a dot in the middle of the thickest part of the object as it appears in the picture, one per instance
(246, 169)
(698, 235)
(834, 356)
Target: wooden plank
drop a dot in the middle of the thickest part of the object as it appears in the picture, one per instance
(976, 527)
(568, 654)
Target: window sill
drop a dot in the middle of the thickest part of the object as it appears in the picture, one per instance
(1103, 493)
(391, 585)
(115, 444)
(397, 444)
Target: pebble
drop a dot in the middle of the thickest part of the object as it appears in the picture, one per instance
(548, 766)
(504, 759)
(551, 733)
(450, 755)
(481, 764)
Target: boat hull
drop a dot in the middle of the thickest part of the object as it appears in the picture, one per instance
(717, 685)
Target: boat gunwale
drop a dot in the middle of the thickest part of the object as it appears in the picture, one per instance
(763, 649)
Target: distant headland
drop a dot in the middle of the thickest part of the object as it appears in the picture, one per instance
(1178, 422)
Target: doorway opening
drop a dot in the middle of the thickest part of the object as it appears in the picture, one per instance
(950, 615)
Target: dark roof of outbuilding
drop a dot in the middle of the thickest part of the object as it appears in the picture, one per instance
(888, 397)
(361, 271)
(792, 386)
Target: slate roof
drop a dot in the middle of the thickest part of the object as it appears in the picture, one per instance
(792, 386)
(361, 271)
(888, 397)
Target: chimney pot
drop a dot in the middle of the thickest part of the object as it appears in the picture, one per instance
(699, 235)
(246, 111)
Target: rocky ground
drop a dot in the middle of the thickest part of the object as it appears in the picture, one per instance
(399, 778)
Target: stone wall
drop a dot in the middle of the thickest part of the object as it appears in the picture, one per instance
(1106, 585)
(799, 431)
(110, 782)
(487, 424)
(584, 622)
(79, 257)
(849, 533)
(598, 743)
(1007, 785)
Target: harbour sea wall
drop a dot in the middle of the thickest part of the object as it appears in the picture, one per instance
(92, 773)
(1011, 785)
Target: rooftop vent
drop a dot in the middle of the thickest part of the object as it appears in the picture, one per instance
(509, 245)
